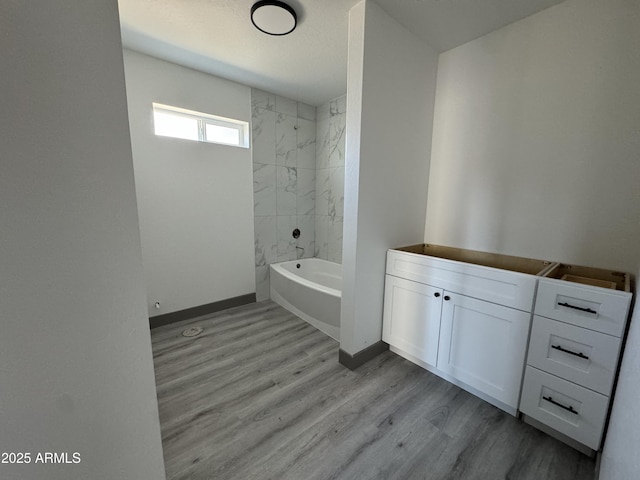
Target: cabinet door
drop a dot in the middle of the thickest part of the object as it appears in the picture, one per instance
(412, 318)
(483, 345)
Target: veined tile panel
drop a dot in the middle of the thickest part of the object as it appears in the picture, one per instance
(322, 191)
(338, 106)
(322, 237)
(306, 138)
(322, 143)
(324, 111)
(286, 243)
(308, 112)
(337, 128)
(286, 140)
(334, 252)
(287, 106)
(336, 192)
(263, 136)
(306, 242)
(266, 240)
(306, 192)
(263, 286)
(264, 189)
(286, 190)
(262, 99)
(284, 157)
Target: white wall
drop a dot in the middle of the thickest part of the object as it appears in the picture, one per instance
(535, 141)
(195, 199)
(390, 95)
(76, 371)
(619, 457)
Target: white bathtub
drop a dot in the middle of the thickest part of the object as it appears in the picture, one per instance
(312, 289)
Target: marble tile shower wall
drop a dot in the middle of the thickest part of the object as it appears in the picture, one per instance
(284, 181)
(330, 148)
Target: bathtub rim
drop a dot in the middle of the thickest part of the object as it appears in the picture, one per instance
(278, 267)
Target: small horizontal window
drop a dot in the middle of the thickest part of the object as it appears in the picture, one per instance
(201, 127)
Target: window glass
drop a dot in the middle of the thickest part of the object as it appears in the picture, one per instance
(220, 134)
(170, 125)
(201, 127)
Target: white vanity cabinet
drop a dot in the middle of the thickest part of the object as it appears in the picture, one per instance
(576, 339)
(466, 316)
(463, 315)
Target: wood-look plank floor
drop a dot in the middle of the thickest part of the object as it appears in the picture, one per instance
(260, 395)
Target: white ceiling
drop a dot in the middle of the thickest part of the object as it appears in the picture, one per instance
(310, 64)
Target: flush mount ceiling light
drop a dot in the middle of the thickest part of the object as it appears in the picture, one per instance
(273, 17)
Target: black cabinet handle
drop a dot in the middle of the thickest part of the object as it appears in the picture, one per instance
(436, 294)
(568, 409)
(579, 354)
(588, 310)
(447, 298)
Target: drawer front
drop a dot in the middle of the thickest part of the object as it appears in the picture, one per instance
(589, 307)
(564, 406)
(511, 289)
(576, 354)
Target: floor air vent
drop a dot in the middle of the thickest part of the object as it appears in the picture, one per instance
(192, 332)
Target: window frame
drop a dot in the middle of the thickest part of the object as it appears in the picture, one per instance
(204, 119)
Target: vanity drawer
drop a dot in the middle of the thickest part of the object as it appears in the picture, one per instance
(594, 308)
(564, 406)
(576, 354)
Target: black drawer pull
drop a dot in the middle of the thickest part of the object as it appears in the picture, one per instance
(588, 310)
(579, 354)
(568, 409)
(436, 294)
